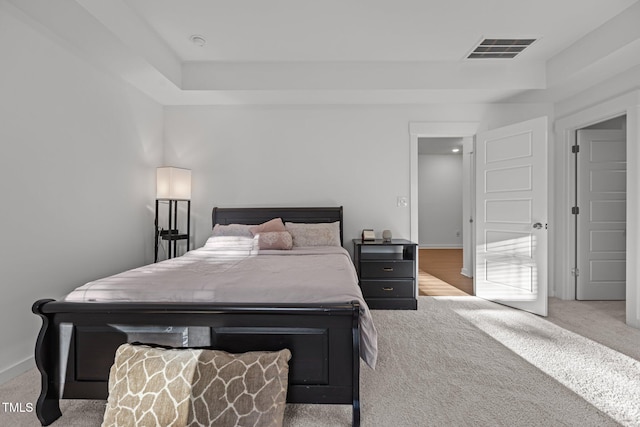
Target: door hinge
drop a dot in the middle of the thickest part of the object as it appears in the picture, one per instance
(575, 210)
(575, 272)
(575, 149)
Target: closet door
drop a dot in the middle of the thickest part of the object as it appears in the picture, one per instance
(601, 252)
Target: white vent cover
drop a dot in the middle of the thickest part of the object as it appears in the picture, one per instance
(499, 48)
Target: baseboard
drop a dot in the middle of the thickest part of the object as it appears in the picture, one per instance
(452, 246)
(19, 368)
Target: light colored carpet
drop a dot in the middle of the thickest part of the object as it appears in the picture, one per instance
(463, 361)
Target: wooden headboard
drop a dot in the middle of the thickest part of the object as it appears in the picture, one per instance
(253, 216)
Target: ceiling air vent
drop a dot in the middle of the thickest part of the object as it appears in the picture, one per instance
(499, 48)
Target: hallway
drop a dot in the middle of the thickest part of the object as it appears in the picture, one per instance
(439, 273)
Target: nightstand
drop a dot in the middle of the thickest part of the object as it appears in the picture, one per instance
(387, 273)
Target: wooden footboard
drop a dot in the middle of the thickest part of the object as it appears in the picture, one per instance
(77, 342)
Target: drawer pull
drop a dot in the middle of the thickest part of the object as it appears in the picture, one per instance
(387, 289)
(388, 268)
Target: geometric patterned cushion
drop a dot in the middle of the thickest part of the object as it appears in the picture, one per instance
(190, 387)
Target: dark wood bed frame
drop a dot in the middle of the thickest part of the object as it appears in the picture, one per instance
(76, 344)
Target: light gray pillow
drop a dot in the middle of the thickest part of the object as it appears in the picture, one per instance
(232, 230)
(317, 234)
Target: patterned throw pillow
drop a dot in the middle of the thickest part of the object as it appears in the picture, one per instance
(275, 240)
(185, 387)
(320, 234)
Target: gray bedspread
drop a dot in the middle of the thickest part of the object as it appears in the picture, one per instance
(237, 275)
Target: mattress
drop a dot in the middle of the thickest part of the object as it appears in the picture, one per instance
(233, 274)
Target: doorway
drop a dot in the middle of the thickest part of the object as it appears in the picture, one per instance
(440, 192)
(465, 130)
(600, 191)
(628, 105)
(442, 187)
(535, 132)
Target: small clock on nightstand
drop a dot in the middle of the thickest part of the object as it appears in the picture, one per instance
(387, 273)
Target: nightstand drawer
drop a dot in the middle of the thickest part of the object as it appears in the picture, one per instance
(386, 269)
(387, 288)
(387, 273)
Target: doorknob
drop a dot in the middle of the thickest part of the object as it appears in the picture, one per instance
(537, 226)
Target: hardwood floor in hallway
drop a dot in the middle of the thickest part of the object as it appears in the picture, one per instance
(439, 273)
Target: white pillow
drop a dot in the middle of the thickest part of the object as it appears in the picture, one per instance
(232, 245)
(230, 241)
(317, 234)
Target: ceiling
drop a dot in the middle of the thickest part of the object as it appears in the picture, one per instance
(344, 52)
(339, 30)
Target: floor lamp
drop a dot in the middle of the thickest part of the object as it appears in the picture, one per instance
(172, 185)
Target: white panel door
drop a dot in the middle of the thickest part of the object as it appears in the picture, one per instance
(602, 220)
(511, 216)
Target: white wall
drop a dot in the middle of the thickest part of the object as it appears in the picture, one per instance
(624, 82)
(78, 151)
(294, 156)
(355, 156)
(440, 200)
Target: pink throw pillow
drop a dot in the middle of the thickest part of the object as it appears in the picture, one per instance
(275, 224)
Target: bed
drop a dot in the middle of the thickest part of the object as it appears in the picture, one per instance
(78, 338)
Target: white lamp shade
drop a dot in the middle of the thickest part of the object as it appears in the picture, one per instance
(173, 183)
